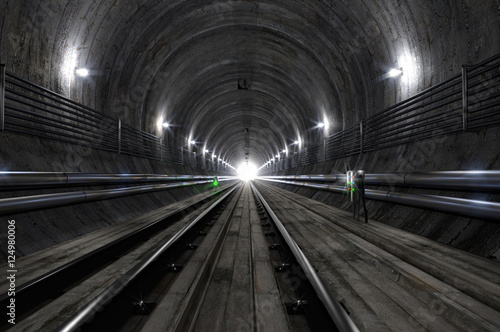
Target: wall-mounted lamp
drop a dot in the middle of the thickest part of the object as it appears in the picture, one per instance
(82, 72)
(395, 72)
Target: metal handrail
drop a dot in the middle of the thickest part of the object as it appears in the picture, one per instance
(2, 97)
(466, 100)
(28, 108)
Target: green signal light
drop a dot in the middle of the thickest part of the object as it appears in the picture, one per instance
(216, 183)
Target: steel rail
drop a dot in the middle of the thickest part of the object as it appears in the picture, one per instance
(60, 276)
(25, 203)
(449, 180)
(87, 312)
(335, 310)
(465, 207)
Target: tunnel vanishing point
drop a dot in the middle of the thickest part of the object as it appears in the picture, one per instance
(267, 165)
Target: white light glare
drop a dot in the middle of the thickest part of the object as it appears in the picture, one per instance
(165, 125)
(395, 72)
(247, 172)
(83, 72)
(321, 125)
(193, 142)
(296, 142)
(284, 151)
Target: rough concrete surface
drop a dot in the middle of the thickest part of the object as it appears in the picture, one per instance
(245, 79)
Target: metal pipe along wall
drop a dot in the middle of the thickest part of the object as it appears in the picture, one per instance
(465, 207)
(25, 203)
(452, 180)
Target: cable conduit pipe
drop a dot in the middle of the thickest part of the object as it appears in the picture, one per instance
(39, 179)
(25, 203)
(450, 180)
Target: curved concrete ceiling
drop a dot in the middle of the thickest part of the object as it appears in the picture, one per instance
(244, 78)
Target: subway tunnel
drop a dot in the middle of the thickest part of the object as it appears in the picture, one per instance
(371, 129)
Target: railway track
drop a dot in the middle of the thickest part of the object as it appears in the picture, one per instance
(255, 258)
(388, 279)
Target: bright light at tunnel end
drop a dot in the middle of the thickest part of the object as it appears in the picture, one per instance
(247, 172)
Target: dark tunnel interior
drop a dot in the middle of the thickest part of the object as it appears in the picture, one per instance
(287, 88)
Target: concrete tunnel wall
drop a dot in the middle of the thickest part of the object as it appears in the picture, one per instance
(40, 229)
(303, 62)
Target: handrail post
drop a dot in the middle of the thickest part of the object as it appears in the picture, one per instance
(465, 97)
(324, 148)
(119, 136)
(2, 97)
(361, 137)
(161, 149)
